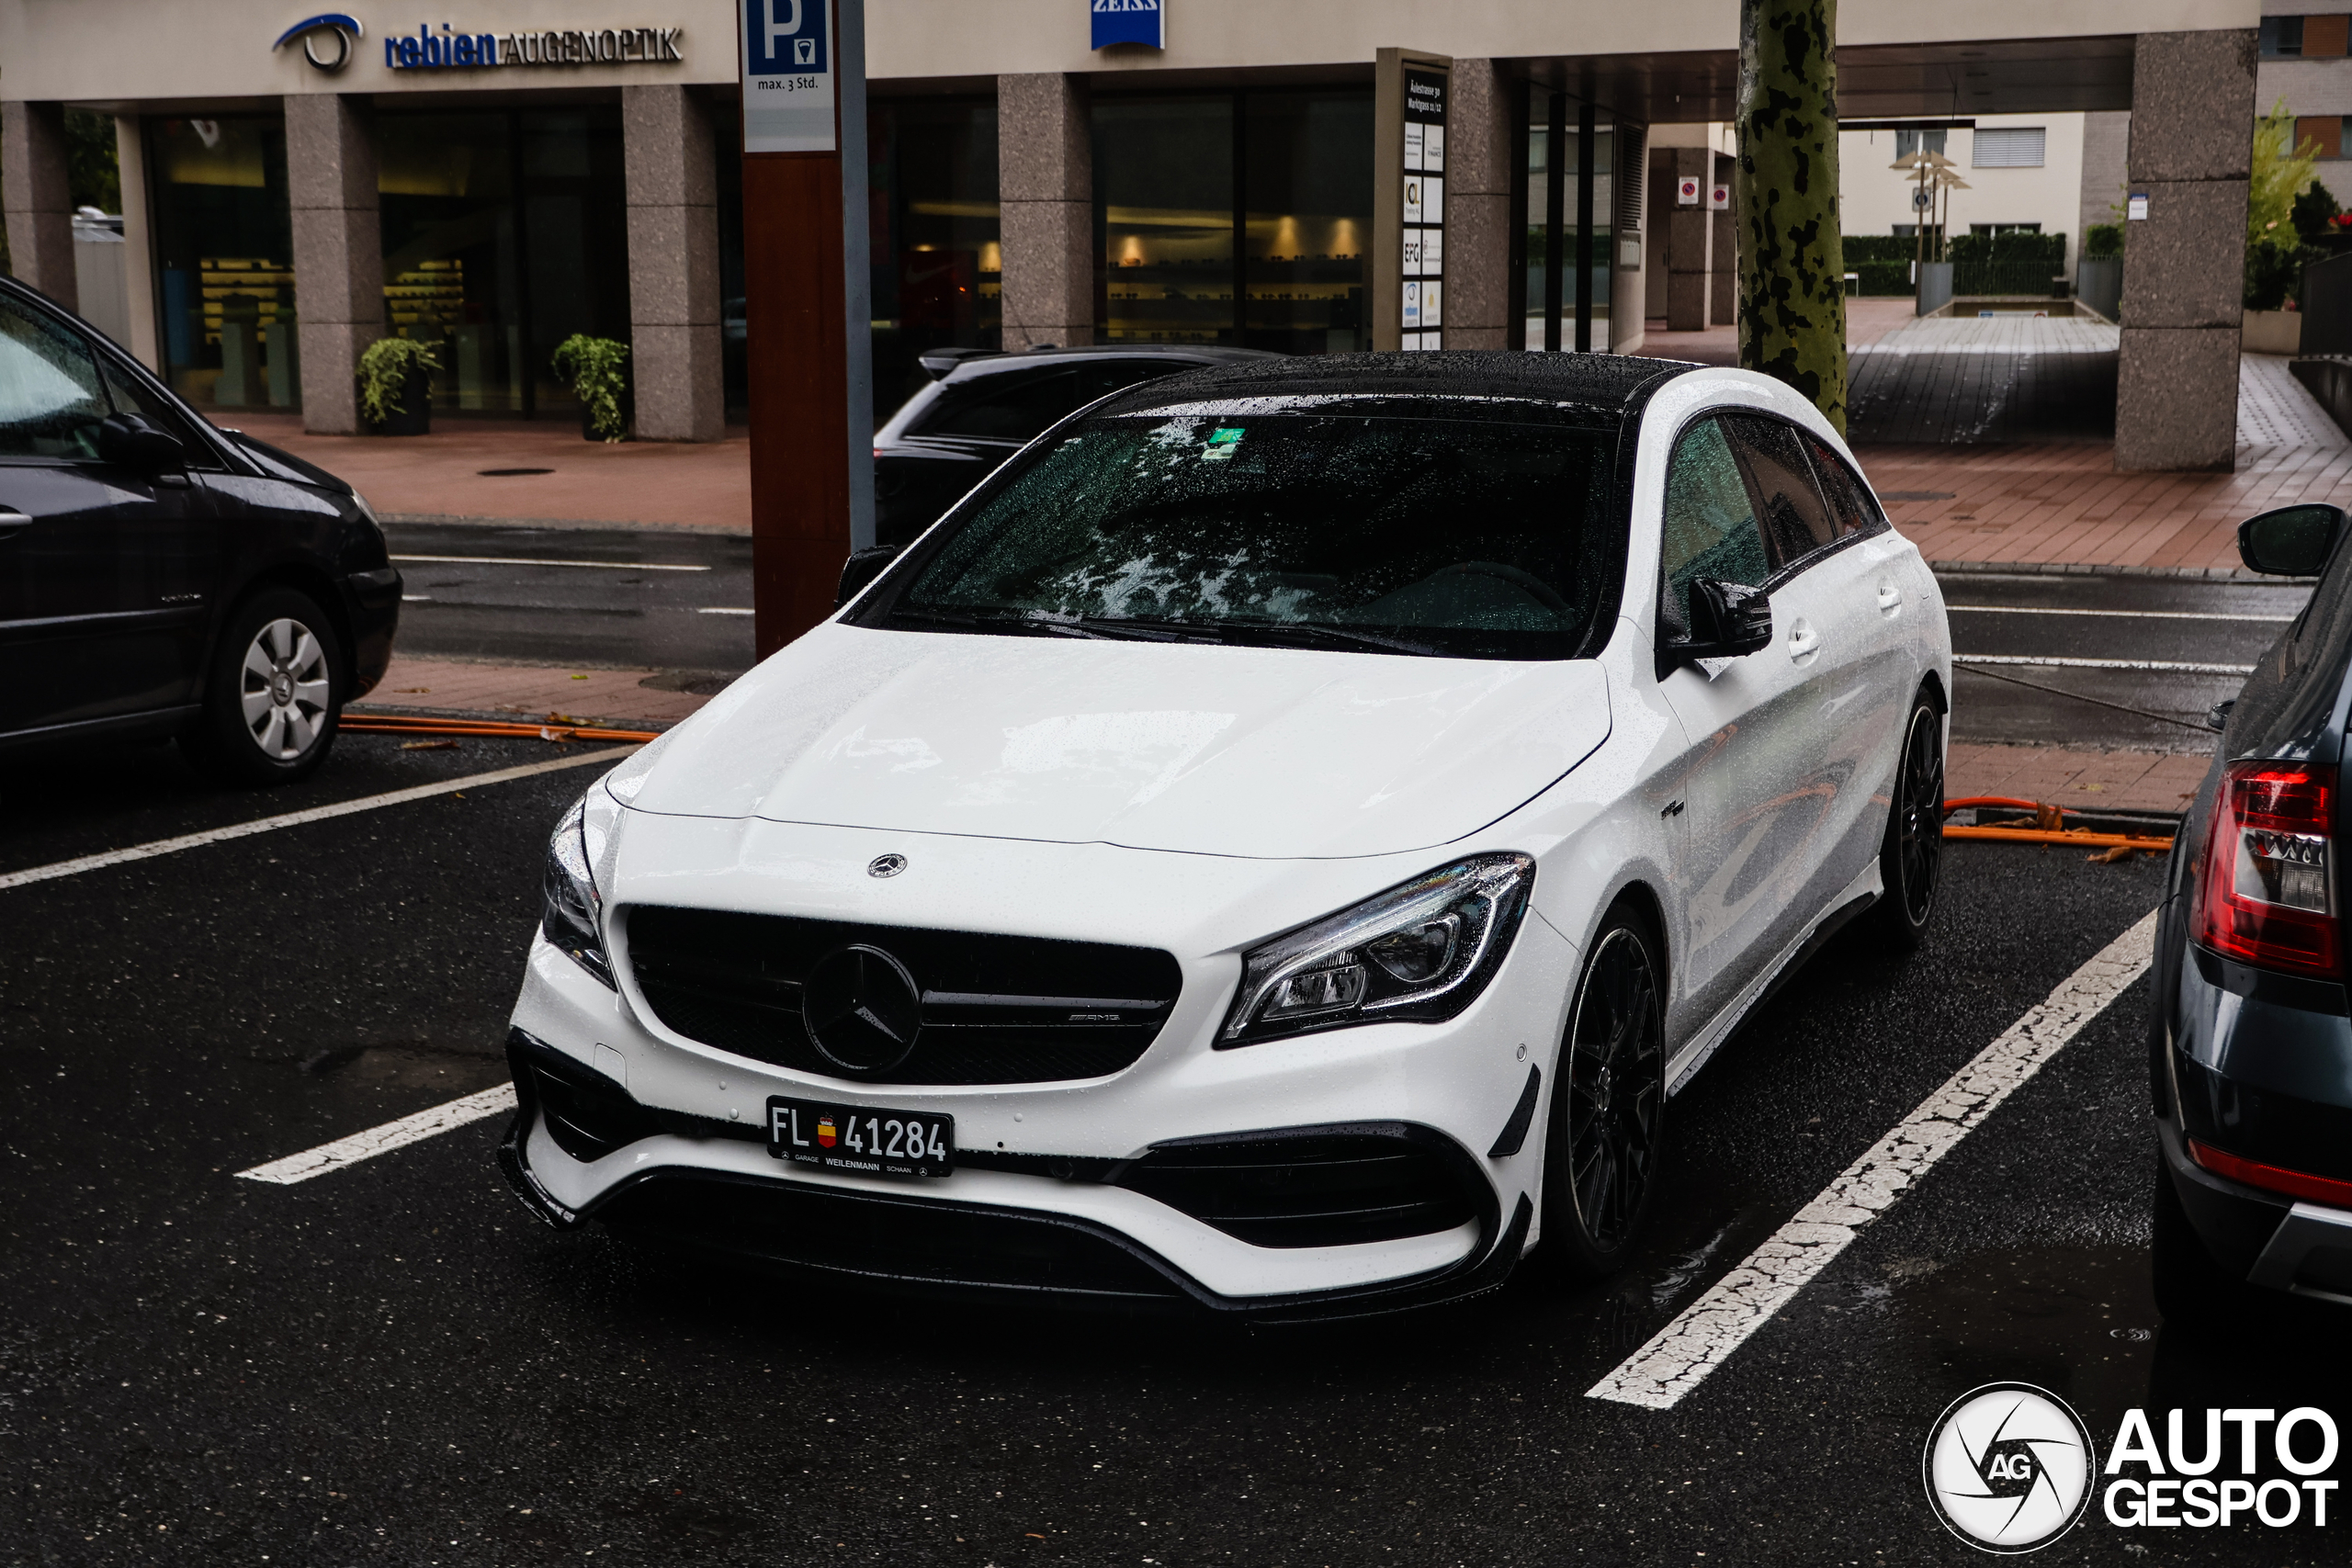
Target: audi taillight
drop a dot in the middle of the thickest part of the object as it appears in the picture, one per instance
(2269, 879)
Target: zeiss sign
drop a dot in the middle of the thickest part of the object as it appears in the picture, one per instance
(1128, 21)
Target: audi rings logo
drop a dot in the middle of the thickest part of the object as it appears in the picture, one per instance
(345, 30)
(2008, 1467)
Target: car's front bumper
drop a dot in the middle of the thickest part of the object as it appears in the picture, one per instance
(1057, 1156)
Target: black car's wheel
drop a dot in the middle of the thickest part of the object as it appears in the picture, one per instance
(274, 692)
(1910, 861)
(1602, 1152)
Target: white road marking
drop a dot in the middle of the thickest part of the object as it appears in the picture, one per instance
(382, 1140)
(1704, 1336)
(535, 560)
(2121, 615)
(2167, 666)
(722, 609)
(296, 818)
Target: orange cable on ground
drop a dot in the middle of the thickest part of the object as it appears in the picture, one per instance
(2048, 828)
(557, 727)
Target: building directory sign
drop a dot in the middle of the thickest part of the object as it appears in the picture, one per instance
(1422, 209)
(788, 78)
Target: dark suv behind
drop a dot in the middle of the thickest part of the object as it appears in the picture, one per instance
(981, 408)
(2251, 1039)
(158, 577)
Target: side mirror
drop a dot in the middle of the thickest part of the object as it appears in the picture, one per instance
(862, 567)
(2293, 541)
(130, 441)
(1728, 620)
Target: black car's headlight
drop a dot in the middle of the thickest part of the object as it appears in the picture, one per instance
(573, 917)
(1420, 953)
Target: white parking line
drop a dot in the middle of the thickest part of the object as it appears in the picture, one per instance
(1704, 1336)
(723, 610)
(535, 560)
(2120, 614)
(380, 1140)
(296, 818)
(2166, 666)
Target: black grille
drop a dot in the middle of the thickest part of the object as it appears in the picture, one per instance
(995, 1008)
(883, 1240)
(1317, 1189)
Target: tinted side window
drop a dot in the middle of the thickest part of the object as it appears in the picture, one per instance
(50, 402)
(1849, 500)
(1099, 380)
(1002, 406)
(1710, 523)
(1796, 520)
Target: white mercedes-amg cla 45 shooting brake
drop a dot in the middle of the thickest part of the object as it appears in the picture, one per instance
(1274, 848)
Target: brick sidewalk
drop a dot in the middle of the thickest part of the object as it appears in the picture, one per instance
(506, 691)
(2081, 781)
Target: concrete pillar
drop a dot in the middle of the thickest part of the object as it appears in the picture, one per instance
(672, 189)
(139, 242)
(1722, 296)
(338, 251)
(39, 213)
(1689, 243)
(1046, 197)
(2192, 136)
(1477, 207)
(2107, 137)
(1631, 261)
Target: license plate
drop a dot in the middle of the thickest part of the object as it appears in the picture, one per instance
(861, 1137)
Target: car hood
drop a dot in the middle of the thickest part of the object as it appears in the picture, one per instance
(1274, 752)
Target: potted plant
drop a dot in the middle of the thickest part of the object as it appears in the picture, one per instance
(395, 395)
(592, 366)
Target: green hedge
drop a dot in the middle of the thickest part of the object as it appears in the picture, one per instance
(1862, 248)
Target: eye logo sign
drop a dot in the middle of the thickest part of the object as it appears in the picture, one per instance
(2009, 1468)
(345, 30)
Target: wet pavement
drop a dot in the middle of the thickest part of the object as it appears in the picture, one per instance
(2113, 622)
(395, 1363)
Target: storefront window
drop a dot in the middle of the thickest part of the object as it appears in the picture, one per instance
(938, 265)
(504, 234)
(1307, 163)
(225, 260)
(1164, 219)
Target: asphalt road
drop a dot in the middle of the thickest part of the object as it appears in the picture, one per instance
(678, 599)
(2109, 627)
(635, 598)
(394, 1363)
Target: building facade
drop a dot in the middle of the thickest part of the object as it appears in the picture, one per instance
(529, 169)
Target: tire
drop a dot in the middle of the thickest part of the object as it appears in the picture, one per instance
(1910, 858)
(274, 695)
(1602, 1148)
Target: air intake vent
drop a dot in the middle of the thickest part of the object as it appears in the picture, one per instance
(1313, 1188)
(994, 1008)
(1633, 175)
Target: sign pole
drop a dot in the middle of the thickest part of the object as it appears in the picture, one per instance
(807, 312)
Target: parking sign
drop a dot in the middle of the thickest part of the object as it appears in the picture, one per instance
(787, 76)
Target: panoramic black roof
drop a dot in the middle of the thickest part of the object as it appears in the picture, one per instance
(1601, 382)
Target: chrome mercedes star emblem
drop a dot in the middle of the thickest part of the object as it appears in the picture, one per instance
(885, 865)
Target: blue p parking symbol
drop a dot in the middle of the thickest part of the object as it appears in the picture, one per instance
(781, 37)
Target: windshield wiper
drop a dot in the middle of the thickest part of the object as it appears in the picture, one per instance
(1337, 636)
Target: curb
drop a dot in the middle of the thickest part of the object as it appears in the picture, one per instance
(503, 716)
(398, 519)
(2082, 568)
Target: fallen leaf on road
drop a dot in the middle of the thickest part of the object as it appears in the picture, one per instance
(428, 745)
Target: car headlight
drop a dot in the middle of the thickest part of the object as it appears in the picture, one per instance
(574, 915)
(1420, 953)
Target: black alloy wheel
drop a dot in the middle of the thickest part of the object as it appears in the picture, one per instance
(1602, 1152)
(274, 695)
(1911, 861)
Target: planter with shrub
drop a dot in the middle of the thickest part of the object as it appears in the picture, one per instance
(594, 367)
(396, 387)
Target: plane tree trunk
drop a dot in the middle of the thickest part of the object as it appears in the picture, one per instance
(1791, 258)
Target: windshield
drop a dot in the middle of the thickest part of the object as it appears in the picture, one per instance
(1451, 538)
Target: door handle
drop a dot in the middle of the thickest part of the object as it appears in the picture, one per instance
(1803, 641)
(12, 520)
(1889, 598)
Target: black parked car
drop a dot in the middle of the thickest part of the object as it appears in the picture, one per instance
(981, 408)
(160, 577)
(2251, 1038)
